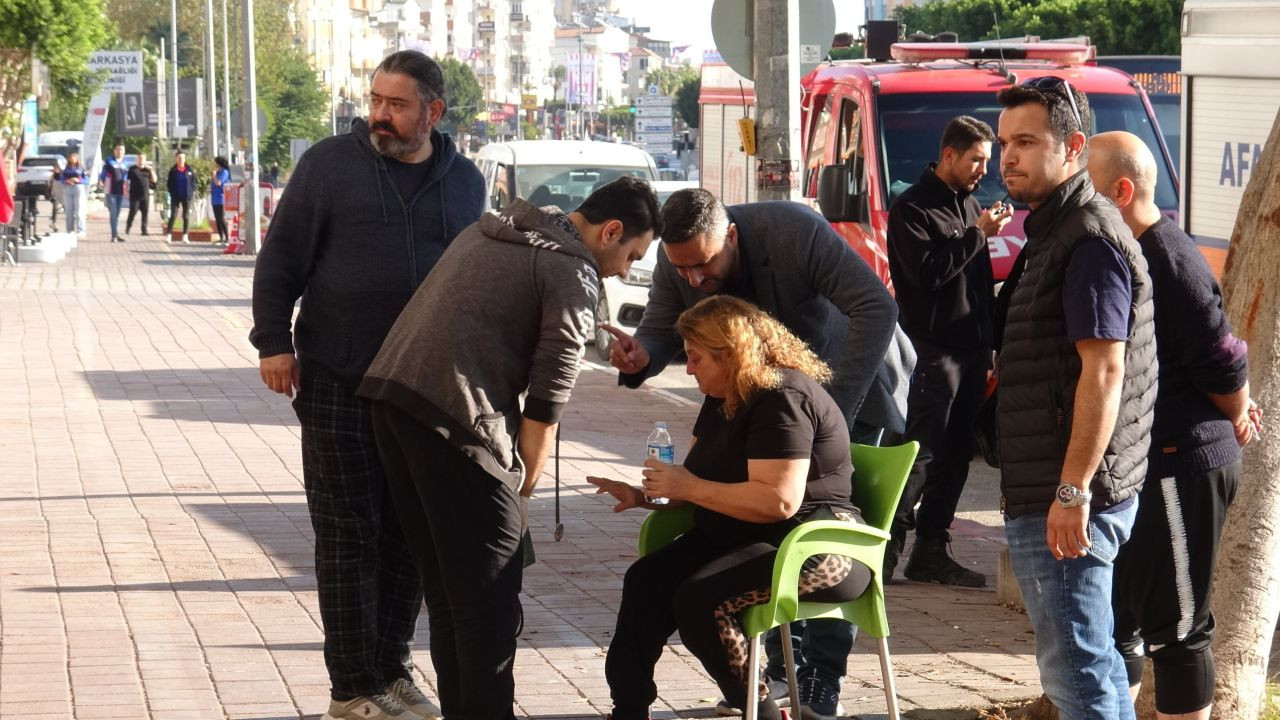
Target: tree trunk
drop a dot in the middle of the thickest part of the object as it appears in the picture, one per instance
(1247, 579)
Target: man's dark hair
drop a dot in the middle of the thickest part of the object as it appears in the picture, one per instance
(1061, 120)
(425, 72)
(962, 132)
(222, 162)
(692, 212)
(627, 199)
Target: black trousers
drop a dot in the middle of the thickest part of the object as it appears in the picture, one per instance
(1163, 584)
(220, 220)
(463, 528)
(138, 204)
(682, 587)
(369, 593)
(174, 204)
(946, 392)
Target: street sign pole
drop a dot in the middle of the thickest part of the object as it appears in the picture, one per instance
(251, 170)
(226, 84)
(776, 59)
(211, 133)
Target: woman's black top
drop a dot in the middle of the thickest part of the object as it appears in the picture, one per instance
(796, 420)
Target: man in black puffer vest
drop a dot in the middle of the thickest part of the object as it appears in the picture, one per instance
(1077, 372)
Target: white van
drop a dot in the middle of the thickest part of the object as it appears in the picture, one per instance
(556, 172)
(1230, 99)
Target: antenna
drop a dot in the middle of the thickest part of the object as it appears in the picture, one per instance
(1004, 70)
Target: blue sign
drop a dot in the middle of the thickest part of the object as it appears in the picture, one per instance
(30, 125)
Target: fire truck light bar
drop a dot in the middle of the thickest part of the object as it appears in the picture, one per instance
(1064, 53)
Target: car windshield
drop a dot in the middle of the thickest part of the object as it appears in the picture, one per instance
(567, 186)
(40, 162)
(912, 123)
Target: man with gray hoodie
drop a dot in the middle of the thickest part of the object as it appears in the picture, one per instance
(466, 395)
(363, 220)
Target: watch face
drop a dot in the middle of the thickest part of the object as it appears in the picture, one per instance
(1066, 495)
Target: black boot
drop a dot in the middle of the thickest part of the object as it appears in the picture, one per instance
(892, 551)
(930, 561)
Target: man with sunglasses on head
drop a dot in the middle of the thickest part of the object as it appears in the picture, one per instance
(1077, 371)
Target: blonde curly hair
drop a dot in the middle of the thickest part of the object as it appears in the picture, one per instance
(751, 343)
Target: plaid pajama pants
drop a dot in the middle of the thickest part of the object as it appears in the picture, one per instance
(368, 587)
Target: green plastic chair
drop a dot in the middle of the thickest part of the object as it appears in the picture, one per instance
(881, 475)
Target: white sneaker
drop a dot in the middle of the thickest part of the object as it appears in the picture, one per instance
(185, 239)
(413, 700)
(374, 707)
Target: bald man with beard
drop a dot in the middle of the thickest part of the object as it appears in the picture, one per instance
(1203, 416)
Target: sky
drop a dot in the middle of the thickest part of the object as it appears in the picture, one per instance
(688, 22)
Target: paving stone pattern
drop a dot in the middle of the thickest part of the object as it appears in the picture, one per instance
(155, 549)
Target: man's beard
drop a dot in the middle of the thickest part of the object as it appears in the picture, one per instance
(394, 145)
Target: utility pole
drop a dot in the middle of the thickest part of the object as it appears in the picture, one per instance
(776, 57)
(173, 44)
(211, 132)
(226, 84)
(580, 84)
(252, 199)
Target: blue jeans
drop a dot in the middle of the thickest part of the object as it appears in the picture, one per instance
(1069, 603)
(821, 648)
(114, 203)
(72, 200)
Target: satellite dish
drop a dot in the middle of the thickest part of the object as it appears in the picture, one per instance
(731, 30)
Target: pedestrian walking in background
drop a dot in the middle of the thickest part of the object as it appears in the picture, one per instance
(217, 188)
(464, 441)
(73, 179)
(142, 180)
(181, 185)
(365, 218)
(941, 269)
(1203, 416)
(114, 181)
(1077, 369)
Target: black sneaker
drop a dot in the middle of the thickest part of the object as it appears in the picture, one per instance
(820, 699)
(779, 693)
(931, 561)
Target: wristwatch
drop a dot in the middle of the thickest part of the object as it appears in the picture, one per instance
(1070, 496)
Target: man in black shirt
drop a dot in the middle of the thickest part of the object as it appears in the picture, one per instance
(941, 272)
(142, 180)
(1203, 416)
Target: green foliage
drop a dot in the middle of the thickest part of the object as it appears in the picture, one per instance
(529, 130)
(618, 117)
(670, 80)
(854, 52)
(462, 94)
(295, 105)
(687, 101)
(62, 33)
(1116, 27)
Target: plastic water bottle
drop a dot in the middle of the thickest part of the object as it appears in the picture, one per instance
(663, 450)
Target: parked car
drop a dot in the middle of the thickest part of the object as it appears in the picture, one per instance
(622, 299)
(36, 176)
(556, 172)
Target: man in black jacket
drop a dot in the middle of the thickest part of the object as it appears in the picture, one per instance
(1077, 370)
(142, 180)
(365, 217)
(1164, 574)
(941, 271)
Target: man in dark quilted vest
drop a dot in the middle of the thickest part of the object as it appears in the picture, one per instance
(1077, 372)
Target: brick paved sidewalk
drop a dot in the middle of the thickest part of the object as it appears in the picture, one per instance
(156, 550)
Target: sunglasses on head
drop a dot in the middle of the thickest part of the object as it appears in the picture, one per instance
(1061, 88)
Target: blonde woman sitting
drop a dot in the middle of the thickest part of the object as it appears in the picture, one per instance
(770, 451)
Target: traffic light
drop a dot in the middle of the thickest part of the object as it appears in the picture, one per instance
(632, 109)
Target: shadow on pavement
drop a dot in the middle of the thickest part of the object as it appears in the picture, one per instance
(216, 302)
(217, 395)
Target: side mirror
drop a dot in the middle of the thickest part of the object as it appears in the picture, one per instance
(839, 200)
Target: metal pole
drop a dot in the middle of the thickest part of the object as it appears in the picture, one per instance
(226, 84)
(173, 85)
(776, 55)
(211, 132)
(580, 84)
(251, 170)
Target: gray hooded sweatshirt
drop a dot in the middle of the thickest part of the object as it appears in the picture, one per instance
(494, 333)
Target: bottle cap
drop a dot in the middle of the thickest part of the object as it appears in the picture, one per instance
(661, 425)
